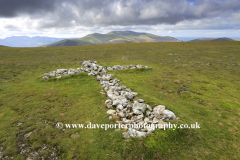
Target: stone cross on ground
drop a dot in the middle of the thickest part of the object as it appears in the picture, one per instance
(137, 118)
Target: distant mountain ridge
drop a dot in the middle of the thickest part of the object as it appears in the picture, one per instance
(212, 39)
(25, 41)
(97, 38)
(112, 38)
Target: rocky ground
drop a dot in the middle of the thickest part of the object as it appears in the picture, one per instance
(26, 150)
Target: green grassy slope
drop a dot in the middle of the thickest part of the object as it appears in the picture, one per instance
(2, 46)
(73, 42)
(198, 81)
(115, 37)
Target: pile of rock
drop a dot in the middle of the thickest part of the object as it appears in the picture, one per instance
(118, 67)
(92, 69)
(62, 72)
(122, 101)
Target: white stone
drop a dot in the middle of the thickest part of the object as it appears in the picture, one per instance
(133, 133)
(169, 114)
(139, 108)
(111, 111)
(159, 109)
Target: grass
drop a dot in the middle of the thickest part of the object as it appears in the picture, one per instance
(198, 81)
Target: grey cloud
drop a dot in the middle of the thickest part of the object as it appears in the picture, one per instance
(102, 13)
(12, 8)
(11, 26)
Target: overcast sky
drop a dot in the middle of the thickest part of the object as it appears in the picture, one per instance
(77, 18)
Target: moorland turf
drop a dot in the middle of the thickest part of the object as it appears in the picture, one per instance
(198, 81)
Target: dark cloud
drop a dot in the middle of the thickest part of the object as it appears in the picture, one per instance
(12, 8)
(11, 26)
(101, 13)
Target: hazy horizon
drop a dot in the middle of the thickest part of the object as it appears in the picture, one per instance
(236, 37)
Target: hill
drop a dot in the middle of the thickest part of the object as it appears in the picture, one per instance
(212, 39)
(2, 46)
(25, 41)
(113, 37)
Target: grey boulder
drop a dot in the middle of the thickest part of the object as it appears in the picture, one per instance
(139, 108)
(169, 114)
(133, 133)
(158, 110)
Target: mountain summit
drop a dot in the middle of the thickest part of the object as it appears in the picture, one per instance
(113, 37)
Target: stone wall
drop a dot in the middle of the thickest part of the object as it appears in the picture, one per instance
(122, 101)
